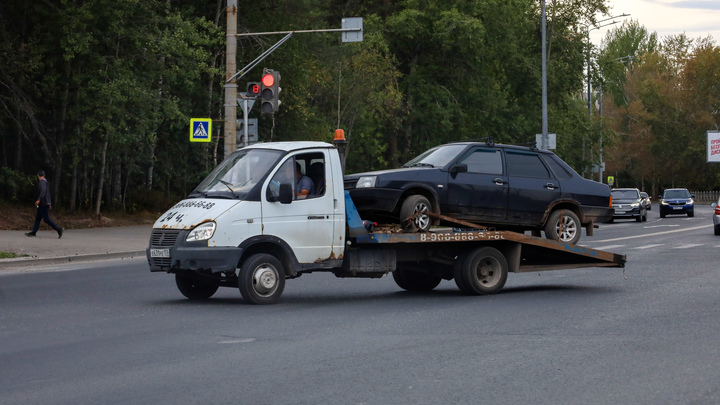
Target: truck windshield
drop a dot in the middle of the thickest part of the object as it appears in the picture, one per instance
(436, 157)
(238, 174)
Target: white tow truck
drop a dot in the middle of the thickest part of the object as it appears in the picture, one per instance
(245, 226)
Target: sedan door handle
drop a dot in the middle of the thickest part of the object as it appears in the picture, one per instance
(500, 181)
(550, 186)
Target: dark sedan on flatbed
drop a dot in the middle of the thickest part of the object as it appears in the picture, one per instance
(503, 186)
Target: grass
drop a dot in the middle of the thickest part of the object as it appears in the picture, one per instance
(10, 255)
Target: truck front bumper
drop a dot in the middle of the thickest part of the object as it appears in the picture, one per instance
(165, 254)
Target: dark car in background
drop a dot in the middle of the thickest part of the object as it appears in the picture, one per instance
(677, 201)
(647, 200)
(502, 186)
(628, 203)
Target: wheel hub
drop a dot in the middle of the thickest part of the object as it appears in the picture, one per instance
(264, 280)
(421, 220)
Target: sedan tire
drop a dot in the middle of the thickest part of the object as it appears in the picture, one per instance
(568, 231)
(411, 206)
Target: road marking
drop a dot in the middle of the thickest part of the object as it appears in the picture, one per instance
(653, 234)
(657, 226)
(608, 247)
(692, 245)
(648, 246)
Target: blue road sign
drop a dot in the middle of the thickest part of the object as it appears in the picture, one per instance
(200, 129)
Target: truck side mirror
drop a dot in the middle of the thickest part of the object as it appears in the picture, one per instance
(286, 193)
(458, 168)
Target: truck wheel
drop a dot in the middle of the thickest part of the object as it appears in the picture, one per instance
(411, 206)
(411, 280)
(483, 271)
(261, 279)
(568, 231)
(194, 288)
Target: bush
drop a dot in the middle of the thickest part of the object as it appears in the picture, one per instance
(16, 187)
(140, 199)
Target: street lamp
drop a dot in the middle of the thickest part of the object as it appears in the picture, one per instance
(587, 34)
(598, 25)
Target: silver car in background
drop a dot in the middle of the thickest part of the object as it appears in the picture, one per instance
(716, 216)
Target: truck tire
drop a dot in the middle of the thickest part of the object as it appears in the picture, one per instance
(482, 271)
(194, 288)
(261, 279)
(411, 280)
(412, 205)
(571, 229)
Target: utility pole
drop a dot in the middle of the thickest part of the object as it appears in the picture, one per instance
(545, 136)
(231, 85)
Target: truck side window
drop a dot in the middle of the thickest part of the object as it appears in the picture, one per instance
(285, 174)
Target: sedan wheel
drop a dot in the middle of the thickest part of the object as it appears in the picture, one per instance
(563, 225)
(415, 206)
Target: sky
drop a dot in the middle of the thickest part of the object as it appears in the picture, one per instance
(696, 18)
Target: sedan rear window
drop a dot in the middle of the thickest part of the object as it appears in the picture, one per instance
(526, 165)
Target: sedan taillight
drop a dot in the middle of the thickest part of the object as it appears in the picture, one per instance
(717, 210)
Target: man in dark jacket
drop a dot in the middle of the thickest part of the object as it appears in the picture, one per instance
(43, 205)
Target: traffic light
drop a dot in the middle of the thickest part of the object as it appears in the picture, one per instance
(270, 91)
(253, 89)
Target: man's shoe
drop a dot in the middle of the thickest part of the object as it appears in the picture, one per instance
(30, 234)
(60, 233)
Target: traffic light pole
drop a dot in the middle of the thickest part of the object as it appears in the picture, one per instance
(352, 25)
(231, 84)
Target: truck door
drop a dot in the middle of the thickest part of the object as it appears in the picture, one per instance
(306, 224)
(532, 187)
(481, 193)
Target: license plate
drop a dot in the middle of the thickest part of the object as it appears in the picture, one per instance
(677, 208)
(159, 252)
(619, 212)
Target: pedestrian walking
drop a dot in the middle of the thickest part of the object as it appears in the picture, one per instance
(43, 205)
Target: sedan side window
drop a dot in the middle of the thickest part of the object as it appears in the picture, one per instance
(523, 164)
(486, 161)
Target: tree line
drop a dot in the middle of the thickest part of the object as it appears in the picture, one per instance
(664, 95)
(100, 93)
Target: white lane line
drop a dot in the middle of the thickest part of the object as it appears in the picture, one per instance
(653, 234)
(648, 246)
(692, 245)
(608, 247)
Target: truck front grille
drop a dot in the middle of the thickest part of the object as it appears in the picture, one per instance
(161, 261)
(164, 238)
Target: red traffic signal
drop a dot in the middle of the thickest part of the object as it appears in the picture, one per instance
(268, 80)
(270, 91)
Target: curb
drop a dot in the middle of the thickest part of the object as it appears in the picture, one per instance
(33, 261)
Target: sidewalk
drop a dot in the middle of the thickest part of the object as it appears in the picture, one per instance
(75, 245)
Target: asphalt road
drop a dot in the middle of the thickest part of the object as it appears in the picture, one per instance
(114, 333)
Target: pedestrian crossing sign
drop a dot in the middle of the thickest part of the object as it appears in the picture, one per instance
(200, 129)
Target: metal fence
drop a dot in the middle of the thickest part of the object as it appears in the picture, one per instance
(706, 196)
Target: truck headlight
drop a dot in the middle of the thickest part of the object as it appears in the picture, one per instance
(366, 182)
(201, 232)
(634, 205)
